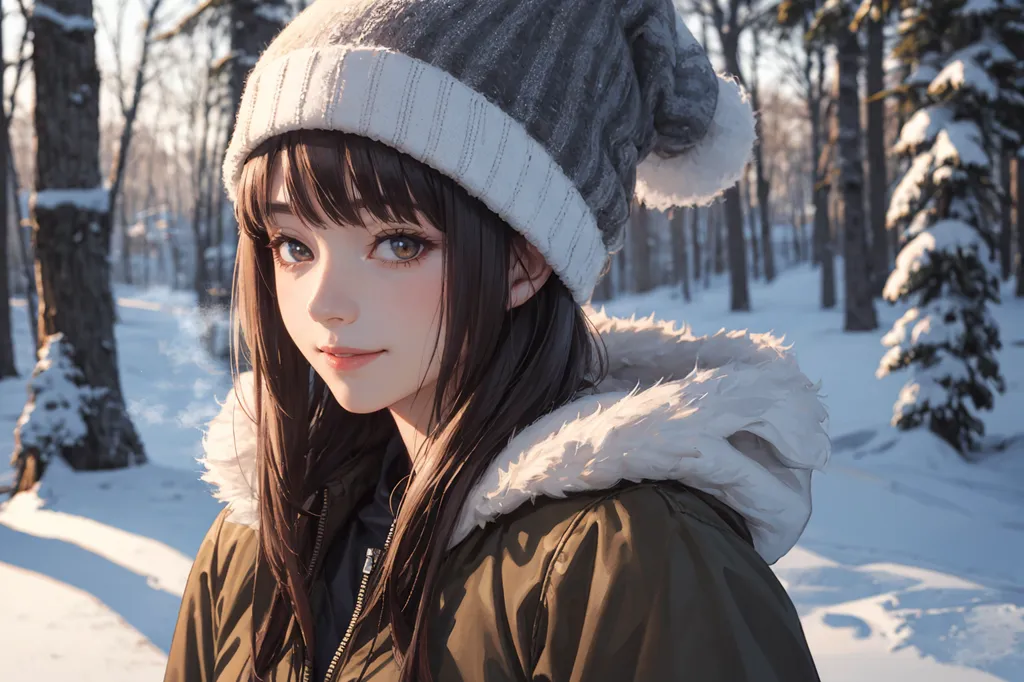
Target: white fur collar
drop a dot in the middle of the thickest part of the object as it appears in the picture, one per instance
(730, 414)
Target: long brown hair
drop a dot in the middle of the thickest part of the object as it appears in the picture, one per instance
(500, 370)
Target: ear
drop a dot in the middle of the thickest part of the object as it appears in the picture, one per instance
(527, 274)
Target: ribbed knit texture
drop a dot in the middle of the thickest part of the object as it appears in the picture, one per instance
(541, 108)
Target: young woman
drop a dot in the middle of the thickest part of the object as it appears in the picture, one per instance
(442, 467)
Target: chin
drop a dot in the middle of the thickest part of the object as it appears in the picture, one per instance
(358, 404)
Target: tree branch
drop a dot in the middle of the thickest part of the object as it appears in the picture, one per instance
(190, 21)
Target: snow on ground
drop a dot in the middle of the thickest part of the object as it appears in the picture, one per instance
(910, 569)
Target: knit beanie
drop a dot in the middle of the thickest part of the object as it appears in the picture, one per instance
(551, 112)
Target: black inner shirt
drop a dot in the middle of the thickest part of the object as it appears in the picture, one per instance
(343, 562)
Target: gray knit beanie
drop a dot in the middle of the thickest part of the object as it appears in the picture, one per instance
(552, 112)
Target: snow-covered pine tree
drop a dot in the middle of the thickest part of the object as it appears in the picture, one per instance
(961, 82)
(54, 418)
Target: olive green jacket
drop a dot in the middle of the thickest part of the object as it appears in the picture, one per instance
(626, 536)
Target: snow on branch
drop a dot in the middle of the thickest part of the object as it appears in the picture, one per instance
(964, 74)
(960, 144)
(190, 21)
(54, 417)
(949, 236)
(923, 127)
(66, 23)
(987, 52)
(96, 199)
(910, 191)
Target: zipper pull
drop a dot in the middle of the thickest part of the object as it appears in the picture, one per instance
(371, 559)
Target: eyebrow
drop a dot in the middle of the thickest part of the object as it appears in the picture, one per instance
(280, 207)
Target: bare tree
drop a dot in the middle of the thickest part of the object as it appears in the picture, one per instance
(129, 108)
(250, 26)
(731, 19)
(76, 407)
(12, 181)
(762, 183)
(808, 70)
(833, 24)
(7, 366)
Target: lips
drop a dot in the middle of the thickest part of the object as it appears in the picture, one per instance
(343, 359)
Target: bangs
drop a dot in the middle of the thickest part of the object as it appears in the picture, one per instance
(338, 178)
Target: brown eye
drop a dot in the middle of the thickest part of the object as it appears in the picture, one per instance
(398, 248)
(404, 248)
(291, 252)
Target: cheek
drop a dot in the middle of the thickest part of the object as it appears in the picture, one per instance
(412, 304)
(294, 315)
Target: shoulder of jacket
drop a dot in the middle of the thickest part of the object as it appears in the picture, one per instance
(227, 548)
(651, 503)
(638, 518)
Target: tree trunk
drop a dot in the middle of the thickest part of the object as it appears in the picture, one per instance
(739, 299)
(217, 194)
(695, 243)
(126, 243)
(640, 253)
(799, 216)
(1020, 227)
(173, 222)
(71, 215)
(761, 184)
(7, 367)
(680, 262)
(763, 207)
(748, 203)
(1006, 222)
(825, 246)
(878, 188)
(821, 247)
(717, 227)
(32, 307)
(860, 307)
(814, 91)
(199, 234)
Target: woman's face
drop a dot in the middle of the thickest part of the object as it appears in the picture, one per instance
(363, 305)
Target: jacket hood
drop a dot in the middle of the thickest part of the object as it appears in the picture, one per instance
(730, 414)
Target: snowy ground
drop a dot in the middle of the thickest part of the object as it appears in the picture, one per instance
(911, 567)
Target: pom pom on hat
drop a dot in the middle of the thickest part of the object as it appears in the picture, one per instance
(715, 163)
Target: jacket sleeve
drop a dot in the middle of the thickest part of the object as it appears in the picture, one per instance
(646, 589)
(193, 653)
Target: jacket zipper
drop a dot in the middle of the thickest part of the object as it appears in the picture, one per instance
(320, 527)
(368, 565)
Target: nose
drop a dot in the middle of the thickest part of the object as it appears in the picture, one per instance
(330, 299)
